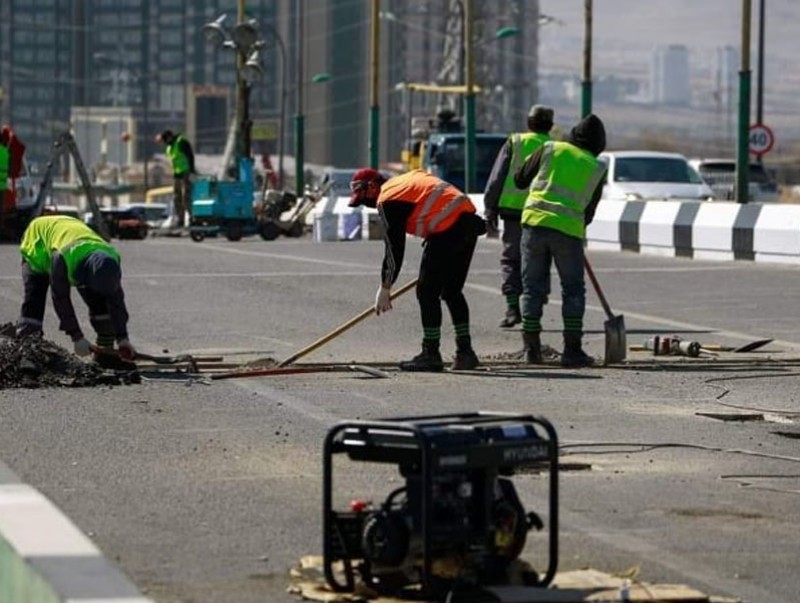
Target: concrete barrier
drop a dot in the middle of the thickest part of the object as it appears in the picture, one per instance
(709, 230)
(45, 558)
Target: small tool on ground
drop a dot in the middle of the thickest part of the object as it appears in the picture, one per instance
(614, 326)
(179, 359)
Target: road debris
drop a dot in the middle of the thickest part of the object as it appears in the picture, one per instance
(34, 362)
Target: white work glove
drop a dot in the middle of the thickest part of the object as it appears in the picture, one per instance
(126, 350)
(383, 301)
(82, 347)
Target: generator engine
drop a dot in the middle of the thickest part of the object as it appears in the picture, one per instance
(457, 518)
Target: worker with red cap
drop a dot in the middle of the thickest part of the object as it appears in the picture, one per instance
(420, 204)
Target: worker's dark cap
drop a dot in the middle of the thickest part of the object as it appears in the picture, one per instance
(166, 134)
(358, 184)
(540, 112)
(103, 274)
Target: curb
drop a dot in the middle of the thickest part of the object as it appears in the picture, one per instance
(45, 558)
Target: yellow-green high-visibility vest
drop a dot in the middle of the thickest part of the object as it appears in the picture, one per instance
(523, 145)
(68, 236)
(5, 159)
(180, 162)
(563, 188)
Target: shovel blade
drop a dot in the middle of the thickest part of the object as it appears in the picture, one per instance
(616, 347)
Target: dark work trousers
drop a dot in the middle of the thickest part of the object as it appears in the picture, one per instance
(540, 247)
(183, 197)
(510, 257)
(443, 272)
(33, 305)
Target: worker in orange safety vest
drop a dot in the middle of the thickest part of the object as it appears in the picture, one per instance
(422, 205)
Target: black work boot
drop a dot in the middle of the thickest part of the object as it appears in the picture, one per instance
(573, 355)
(466, 359)
(429, 360)
(532, 346)
(513, 317)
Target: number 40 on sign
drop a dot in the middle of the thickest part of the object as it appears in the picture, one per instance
(760, 139)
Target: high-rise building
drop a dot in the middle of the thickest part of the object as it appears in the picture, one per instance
(669, 77)
(68, 63)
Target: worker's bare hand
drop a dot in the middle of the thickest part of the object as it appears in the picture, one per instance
(383, 300)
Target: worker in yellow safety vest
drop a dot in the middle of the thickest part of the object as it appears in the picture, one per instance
(420, 204)
(565, 182)
(181, 156)
(61, 252)
(502, 199)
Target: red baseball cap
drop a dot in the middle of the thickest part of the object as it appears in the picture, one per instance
(359, 182)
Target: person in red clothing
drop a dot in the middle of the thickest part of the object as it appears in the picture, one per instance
(420, 204)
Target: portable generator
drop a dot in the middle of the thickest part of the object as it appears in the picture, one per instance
(457, 520)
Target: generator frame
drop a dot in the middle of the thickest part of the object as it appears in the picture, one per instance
(410, 440)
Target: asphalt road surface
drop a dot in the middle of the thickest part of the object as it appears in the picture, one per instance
(209, 493)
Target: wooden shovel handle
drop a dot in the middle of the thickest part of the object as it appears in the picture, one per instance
(345, 326)
(597, 288)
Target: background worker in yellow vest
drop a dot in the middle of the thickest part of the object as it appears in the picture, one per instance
(565, 181)
(420, 204)
(5, 165)
(181, 156)
(61, 252)
(503, 199)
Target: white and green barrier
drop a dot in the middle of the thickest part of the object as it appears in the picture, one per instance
(45, 558)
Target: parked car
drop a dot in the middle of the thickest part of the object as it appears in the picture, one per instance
(720, 174)
(122, 222)
(652, 176)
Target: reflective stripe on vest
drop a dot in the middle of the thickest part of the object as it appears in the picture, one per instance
(563, 188)
(68, 236)
(180, 162)
(438, 204)
(523, 145)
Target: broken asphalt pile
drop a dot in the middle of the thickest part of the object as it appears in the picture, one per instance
(33, 362)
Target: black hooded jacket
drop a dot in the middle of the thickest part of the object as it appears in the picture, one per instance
(588, 134)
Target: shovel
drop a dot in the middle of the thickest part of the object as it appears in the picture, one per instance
(614, 326)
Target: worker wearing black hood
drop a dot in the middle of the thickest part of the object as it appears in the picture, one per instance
(565, 181)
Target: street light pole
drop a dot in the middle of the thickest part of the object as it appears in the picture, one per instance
(586, 84)
(469, 101)
(760, 81)
(299, 134)
(374, 109)
(744, 108)
(242, 138)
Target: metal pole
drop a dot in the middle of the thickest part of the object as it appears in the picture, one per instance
(586, 84)
(146, 139)
(760, 81)
(469, 102)
(282, 48)
(299, 133)
(744, 108)
(374, 109)
(241, 93)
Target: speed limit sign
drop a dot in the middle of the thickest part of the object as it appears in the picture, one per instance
(760, 139)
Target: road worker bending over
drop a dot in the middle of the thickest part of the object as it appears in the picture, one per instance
(61, 252)
(422, 205)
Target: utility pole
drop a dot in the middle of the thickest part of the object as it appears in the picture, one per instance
(242, 149)
(760, 81)
(742, 155)
(469, 101)
(374, 109)
(299, 134)
(586, 84)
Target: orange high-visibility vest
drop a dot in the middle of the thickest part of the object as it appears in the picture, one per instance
(438, 204)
